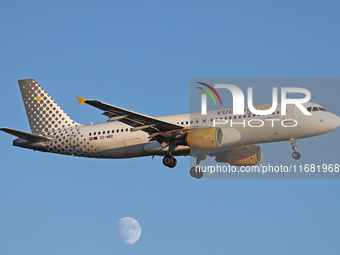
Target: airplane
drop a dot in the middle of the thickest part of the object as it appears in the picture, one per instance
(128, 134)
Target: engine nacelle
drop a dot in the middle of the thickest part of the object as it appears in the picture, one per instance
(242, 156)
(212, 138)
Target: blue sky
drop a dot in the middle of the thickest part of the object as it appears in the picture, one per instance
(140, 55)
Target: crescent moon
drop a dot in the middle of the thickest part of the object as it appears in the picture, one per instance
(129, 230)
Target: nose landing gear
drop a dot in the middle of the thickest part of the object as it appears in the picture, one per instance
(293, 142)
(296, 155)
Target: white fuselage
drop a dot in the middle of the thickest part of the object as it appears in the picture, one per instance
(117, 140)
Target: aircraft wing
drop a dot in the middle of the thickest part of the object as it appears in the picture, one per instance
(136, 120)
(27, 136)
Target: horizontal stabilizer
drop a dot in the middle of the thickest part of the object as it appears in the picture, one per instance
(27, 136)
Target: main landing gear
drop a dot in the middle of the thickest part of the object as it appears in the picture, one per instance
(293, 142)
(196, 171)
(169, 161)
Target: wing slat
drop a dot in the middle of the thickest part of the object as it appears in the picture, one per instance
(135, 119)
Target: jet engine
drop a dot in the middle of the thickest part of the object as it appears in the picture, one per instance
(211, 138)
(242, 156)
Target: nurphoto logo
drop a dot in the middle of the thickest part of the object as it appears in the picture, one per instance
(238, 99)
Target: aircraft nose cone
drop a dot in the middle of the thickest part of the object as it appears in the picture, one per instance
(335, 123)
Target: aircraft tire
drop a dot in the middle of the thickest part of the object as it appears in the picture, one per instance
(169, 161)
(195, 174)
(296, 155)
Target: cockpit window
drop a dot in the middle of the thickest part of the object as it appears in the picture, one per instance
(314, 109)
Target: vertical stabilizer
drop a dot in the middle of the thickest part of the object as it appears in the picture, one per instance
(43, 113)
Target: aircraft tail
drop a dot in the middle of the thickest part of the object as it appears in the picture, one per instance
(43, 113)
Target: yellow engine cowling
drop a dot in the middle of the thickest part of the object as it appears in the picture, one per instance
(242, 156)
(212, 137)
(206, 138)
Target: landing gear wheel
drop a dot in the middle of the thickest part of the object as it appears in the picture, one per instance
(196, 172)
(169, 161)
(296, 155)
(293, 142)
(174, 162)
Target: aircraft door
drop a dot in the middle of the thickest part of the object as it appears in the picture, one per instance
(289, 111)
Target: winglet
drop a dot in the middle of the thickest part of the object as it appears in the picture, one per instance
(81, 100)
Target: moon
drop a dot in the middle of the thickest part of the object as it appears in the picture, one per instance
(129, 230)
